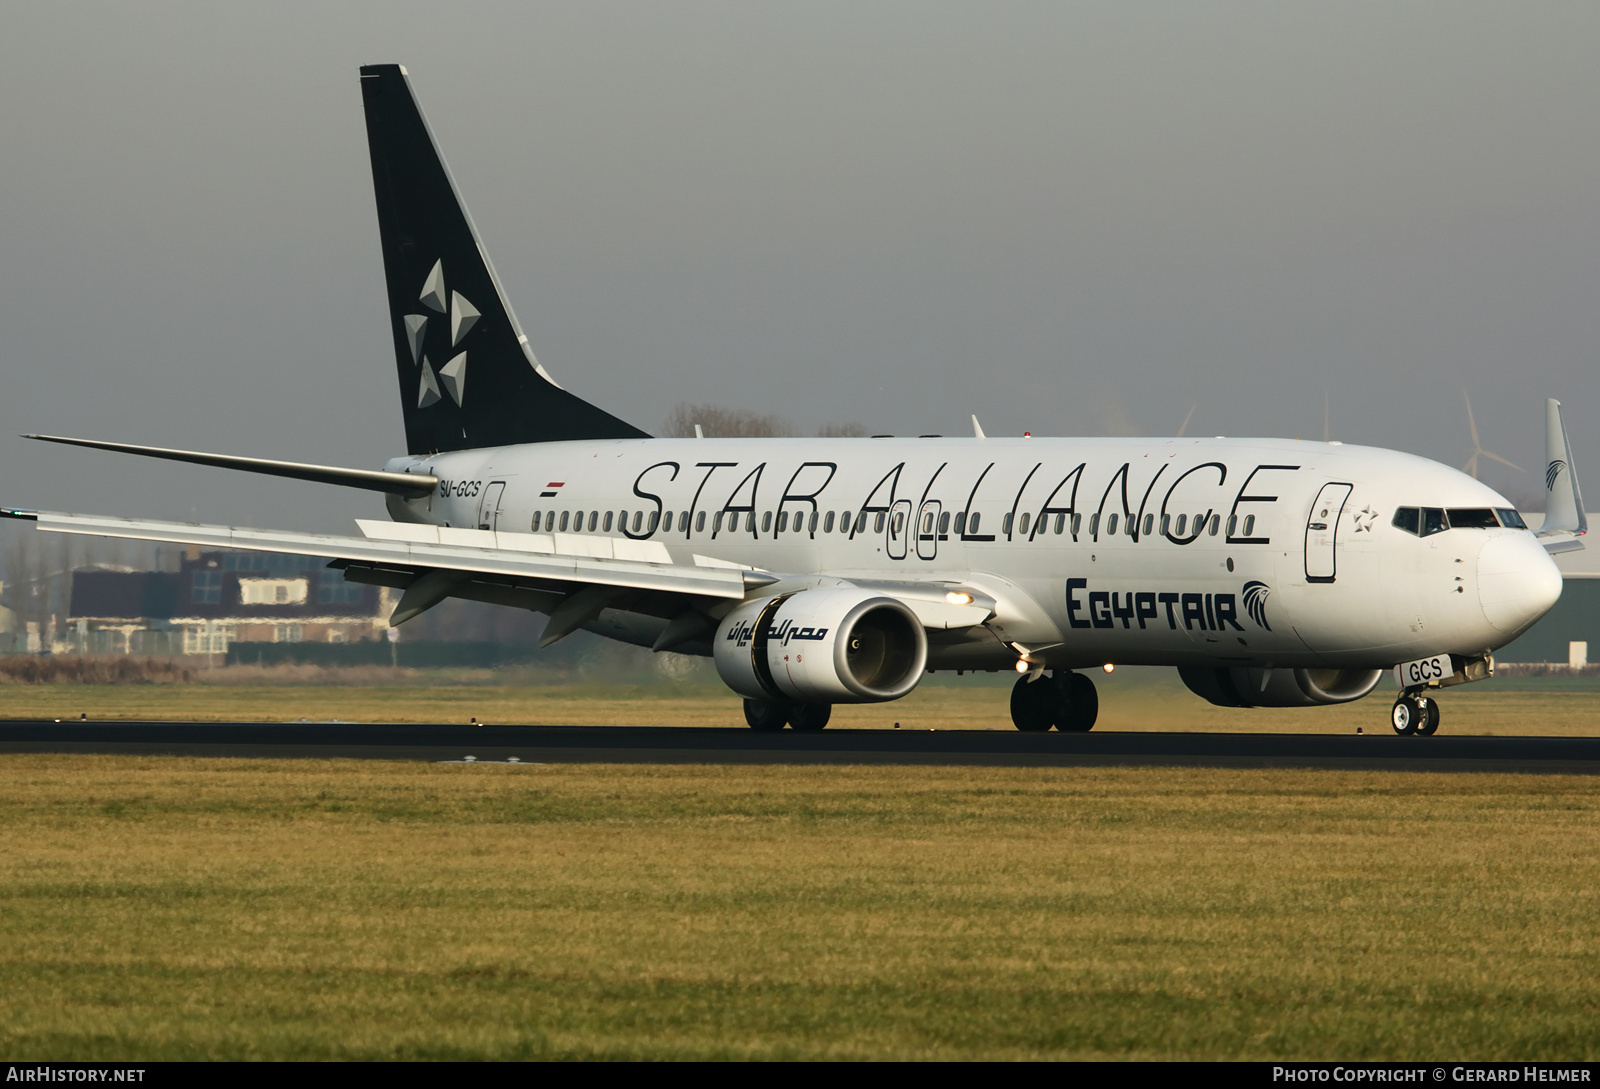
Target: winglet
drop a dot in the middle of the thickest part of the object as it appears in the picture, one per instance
(1563, 513)
(977, 428)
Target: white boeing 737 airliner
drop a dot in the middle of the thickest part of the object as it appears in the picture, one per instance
(820, 571)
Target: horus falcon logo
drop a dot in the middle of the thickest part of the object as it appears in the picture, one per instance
(1551, 472)
(451, 378)
(1255, 602)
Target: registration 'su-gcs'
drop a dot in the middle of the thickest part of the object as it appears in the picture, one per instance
(821, 571)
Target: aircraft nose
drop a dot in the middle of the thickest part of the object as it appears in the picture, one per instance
(1518, 582)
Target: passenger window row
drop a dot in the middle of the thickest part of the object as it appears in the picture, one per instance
(1209, 524)
(639, 523)
(722, 521)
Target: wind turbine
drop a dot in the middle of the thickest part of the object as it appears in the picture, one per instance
(1184, 426)
(1477, 447)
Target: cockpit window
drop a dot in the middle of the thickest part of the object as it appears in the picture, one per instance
(1426, 521)
(1423, 521)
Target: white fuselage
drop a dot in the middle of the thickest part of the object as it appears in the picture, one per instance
(1130, 551)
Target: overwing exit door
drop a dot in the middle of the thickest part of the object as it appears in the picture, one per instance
(901, 529)
(928, 530)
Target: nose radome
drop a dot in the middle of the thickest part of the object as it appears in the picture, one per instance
(1518, 582)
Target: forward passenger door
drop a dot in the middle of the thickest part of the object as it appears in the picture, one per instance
(1322, 530)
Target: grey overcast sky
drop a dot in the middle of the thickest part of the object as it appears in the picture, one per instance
(1070, 218)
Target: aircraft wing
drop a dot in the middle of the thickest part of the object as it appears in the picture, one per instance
(1555, 541)
(571, 576)
(602, 561)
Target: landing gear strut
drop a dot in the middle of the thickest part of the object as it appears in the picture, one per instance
(1414, 714)
(1065, 700)
(771, 715)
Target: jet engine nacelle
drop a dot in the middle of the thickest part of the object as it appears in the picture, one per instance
(1279, 687)
(822, 646)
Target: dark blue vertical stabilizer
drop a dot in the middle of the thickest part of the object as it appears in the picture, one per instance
(467, 376)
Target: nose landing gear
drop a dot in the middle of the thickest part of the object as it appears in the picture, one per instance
(1414, 714)
(1067, 701)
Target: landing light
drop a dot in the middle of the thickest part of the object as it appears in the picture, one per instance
(956, 597)
(1108, 667)
(1022, 665)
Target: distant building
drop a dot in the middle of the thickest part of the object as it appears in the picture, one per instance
(218, 598)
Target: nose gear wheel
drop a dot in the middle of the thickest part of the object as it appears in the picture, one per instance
(1414, 716)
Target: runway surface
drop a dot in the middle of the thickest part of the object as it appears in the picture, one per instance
(680, 745)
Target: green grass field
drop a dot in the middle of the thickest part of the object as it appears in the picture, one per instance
(167, 908)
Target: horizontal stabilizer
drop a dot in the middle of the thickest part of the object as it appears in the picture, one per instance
(410, 485)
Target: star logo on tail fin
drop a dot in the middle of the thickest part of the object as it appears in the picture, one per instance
(451, 378)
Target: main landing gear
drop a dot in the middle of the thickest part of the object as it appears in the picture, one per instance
(1065, 700)
(771, 715)
(1414, 713)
